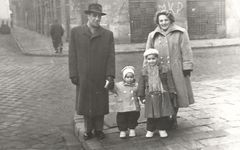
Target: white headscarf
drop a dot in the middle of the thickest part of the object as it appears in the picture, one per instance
(127, 69)
(150, 51)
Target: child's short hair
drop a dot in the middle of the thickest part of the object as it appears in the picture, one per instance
(150, 51)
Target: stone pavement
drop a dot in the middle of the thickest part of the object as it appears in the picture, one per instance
(35, 113)
(212, 123)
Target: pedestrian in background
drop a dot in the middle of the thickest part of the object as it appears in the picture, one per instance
(92, 70)
(154, 87)
(5, 29)
(175, 53)
(56, 32)
(127, 104)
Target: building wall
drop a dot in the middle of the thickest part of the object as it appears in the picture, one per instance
(118, 16)
(232, 18)
(178, 7)
(77, 7)
(5, 12)
(38, 15)
(117, 19)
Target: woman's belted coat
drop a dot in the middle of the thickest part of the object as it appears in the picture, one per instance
(91, 60)
(175, 45)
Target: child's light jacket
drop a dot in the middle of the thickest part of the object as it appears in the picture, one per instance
(124, 98)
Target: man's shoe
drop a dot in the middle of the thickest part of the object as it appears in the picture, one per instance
(87, 135)
(99, 134)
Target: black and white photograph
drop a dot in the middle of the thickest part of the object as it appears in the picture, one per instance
(119, 75)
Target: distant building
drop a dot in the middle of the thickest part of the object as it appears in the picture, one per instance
(38, 15)
(132, 20)
(5, 12)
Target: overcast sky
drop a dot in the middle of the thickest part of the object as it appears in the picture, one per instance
(4, 9)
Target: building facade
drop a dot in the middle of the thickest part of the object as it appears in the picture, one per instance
(38, 15)
(132, 20)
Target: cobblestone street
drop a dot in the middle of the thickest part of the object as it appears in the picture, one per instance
(36, 100)
(37, 103)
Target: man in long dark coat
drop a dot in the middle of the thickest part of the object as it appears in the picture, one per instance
(92, 68)
(56, 33)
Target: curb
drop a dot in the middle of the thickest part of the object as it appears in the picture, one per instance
(71, 141)
(78, 126)
(45, 55)
(140, 47)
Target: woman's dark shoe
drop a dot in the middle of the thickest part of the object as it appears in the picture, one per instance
(174, 123)
(87, 135)
(99, 134)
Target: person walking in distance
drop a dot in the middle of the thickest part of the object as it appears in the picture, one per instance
(56, 33)
(92, 70)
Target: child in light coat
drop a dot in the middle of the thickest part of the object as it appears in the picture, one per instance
(154, 87)
(127, 103)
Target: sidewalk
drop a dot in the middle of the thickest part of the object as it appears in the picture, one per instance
(212, 123)
(32, 43)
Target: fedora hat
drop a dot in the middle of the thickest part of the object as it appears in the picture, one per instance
(94, 8)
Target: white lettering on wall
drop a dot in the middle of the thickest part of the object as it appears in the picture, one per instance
(175, 7)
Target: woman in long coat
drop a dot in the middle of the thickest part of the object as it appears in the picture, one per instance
(173, 45)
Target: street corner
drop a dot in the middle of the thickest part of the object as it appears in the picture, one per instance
(33, 44)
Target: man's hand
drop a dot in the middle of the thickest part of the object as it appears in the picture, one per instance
(187, 73)
(74, 80)
(111, 83)
(173, 96)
